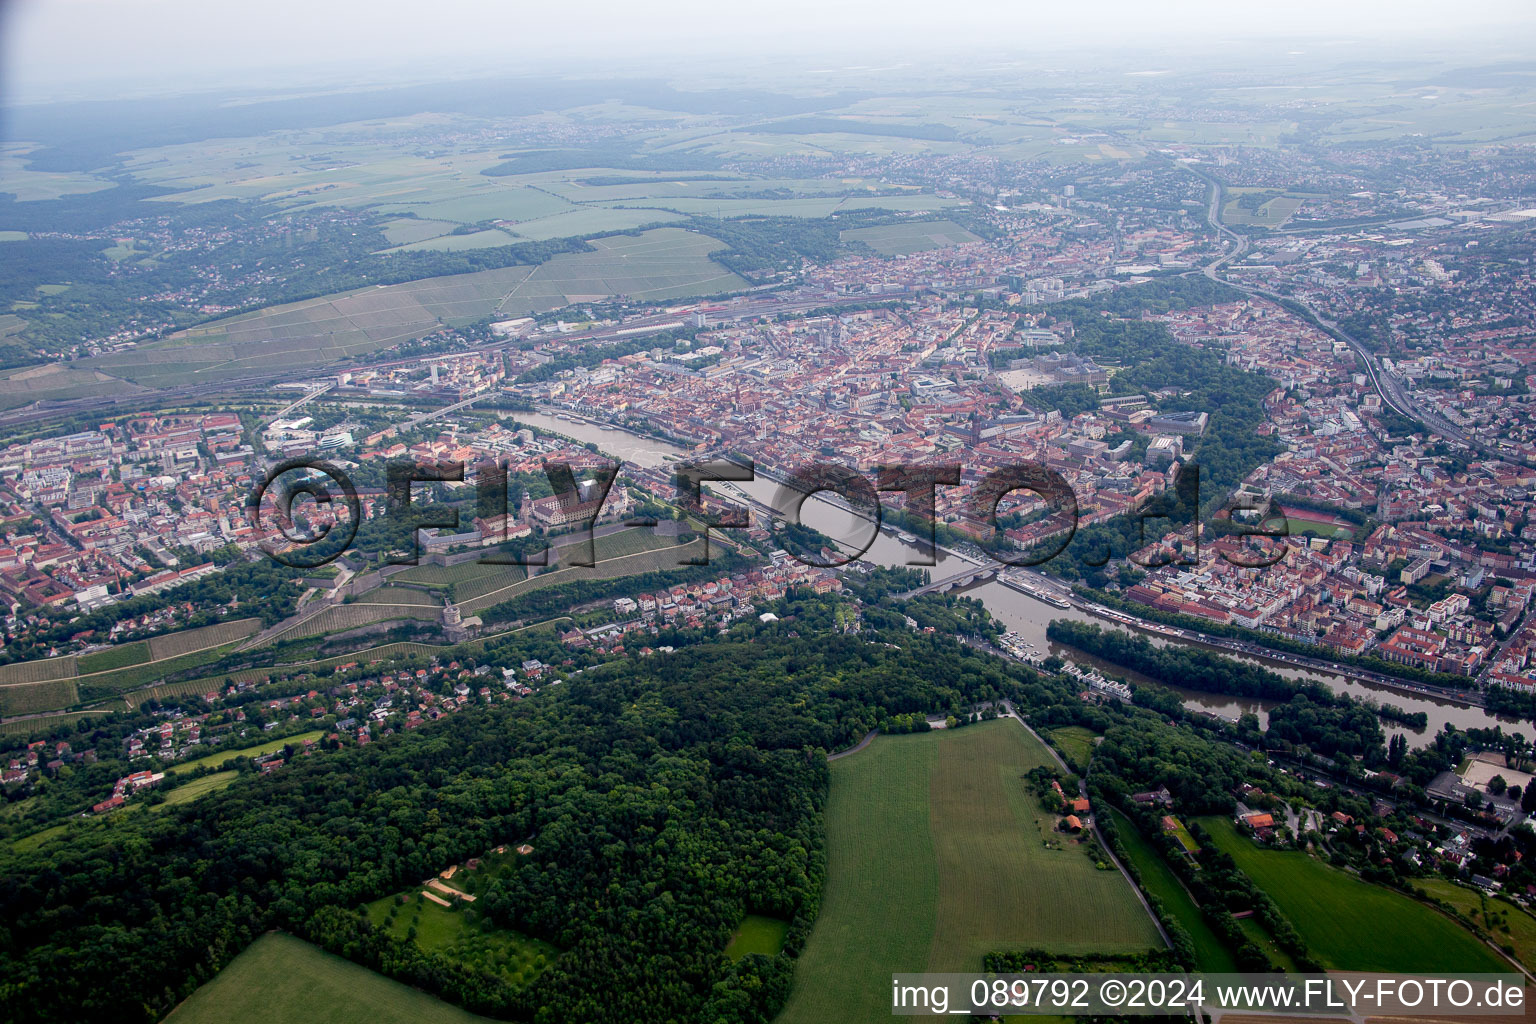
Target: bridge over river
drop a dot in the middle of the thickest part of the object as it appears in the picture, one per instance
(963, 578)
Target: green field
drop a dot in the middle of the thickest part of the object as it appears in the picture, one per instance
(317, 331)
(185, 794)
(1272, 213)
(388, 595)
(47, 685)
(1507, 923)
(1311, 528)
(937, 855)
(117, 681)
(487, 239)
(1158, 879)
(43, 723)
(31, 698)
(656, 560)
(37, 671)
(120, 656)
(912, 236)
(341, 617)
(412, 229)
(1349, 924)
(280, 978)
(189, 641)
(222, 757)
(1075, 743)
(59, 382)
(664, 263)
(757, 934)
(1256, 932)
(458, 931)
(27, 844)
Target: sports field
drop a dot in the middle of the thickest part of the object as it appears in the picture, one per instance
(281, 978)
(936, 856)
(1158, 879)
(912, 236)
(1352, 925)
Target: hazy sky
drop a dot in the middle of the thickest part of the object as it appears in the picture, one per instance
(82, 48)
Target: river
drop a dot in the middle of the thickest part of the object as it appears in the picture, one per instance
(1019, 612)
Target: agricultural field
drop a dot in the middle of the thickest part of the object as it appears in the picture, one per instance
(431, 575)
(589, 220)
(219, 758)
(440, 916)
(189, 641)
(22, 727)
(500, 578)
(757, 934)
(659, 560)
(30, 698)
(407, 230)
(119, 656)
(1076, 745)
(28, 185)
(315, 332)
(937, 855)
(1507, 923)
(388, 595)
(1158, 879)
(629, 542)
(189, 792)
(59, 382)
(490, 238)
(1353, 925)
(27, 844)
(911, 236)
(342, 617)
(317, 987)
(37, 671)
(117, 681)
(663, 263)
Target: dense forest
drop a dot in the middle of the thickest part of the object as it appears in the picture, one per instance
(664, 796)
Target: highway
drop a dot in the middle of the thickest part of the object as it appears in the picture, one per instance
(1385, 384)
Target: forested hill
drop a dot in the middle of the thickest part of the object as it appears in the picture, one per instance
(664, 798)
